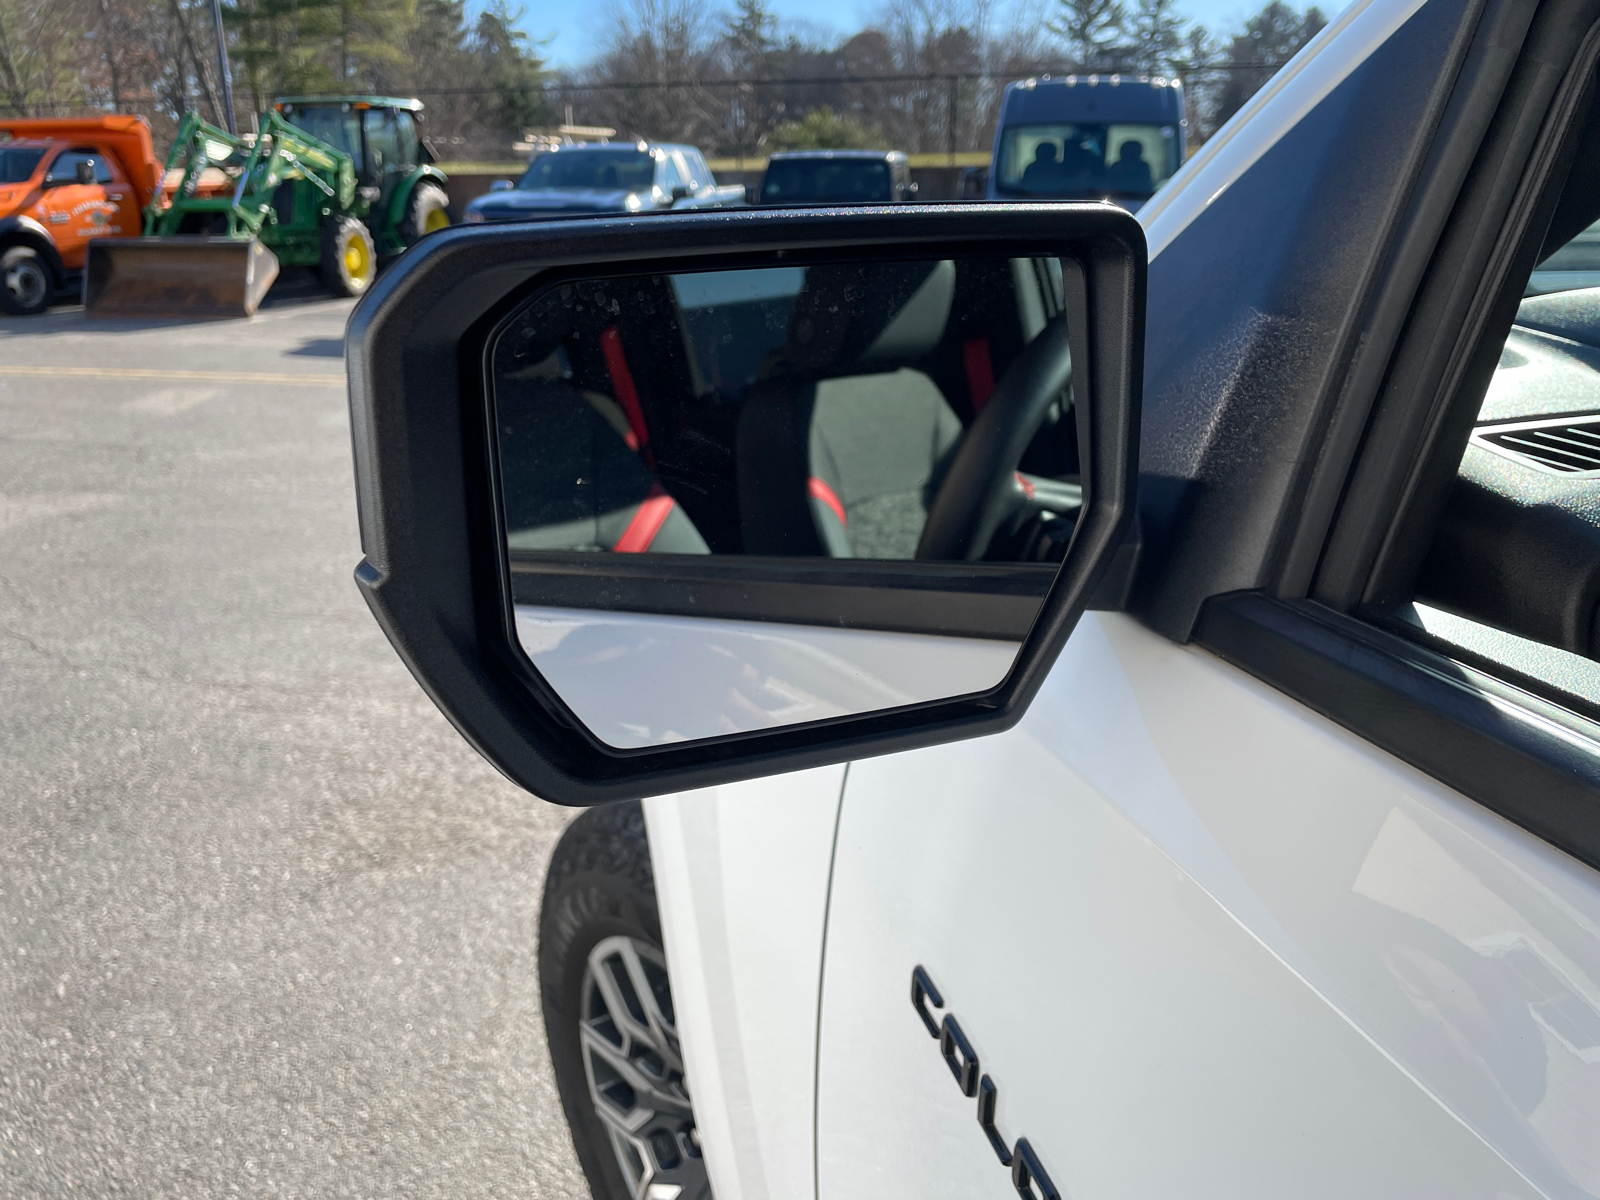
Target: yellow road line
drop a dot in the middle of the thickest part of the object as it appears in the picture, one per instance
(166, 373)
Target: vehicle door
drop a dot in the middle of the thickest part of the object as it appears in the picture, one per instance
(86, 197)
(386, 162)
(1271, 892)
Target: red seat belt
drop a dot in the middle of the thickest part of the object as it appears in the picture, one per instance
(627, 395)
(652, 514)
(980, 372)
(818, 490)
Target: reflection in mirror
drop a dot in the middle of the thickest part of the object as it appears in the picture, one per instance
(735, 500)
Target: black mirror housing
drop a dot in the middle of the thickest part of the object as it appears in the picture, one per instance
(435, 570)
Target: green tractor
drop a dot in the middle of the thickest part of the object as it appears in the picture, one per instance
(338, 183)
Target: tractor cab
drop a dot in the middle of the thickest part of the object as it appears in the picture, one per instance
(380, 134)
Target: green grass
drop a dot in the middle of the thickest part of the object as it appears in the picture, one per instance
(482, 168)
(962, 158)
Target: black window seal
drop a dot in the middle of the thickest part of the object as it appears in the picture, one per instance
(1533, 762)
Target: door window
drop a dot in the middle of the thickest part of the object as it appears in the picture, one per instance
(698, 173)
(406, 138)
(65, 168)
(383, 143)
(671, 173)
(1512, 574)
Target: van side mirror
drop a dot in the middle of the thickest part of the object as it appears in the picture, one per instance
(680, 191)
(648, 506)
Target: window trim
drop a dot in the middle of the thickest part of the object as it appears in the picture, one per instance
(1535, 763)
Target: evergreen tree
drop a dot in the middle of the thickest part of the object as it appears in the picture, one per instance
(824, 129)
(1270, 38)
(1088, 26)
(512, 72)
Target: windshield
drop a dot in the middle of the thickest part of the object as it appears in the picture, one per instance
(333, 126)
(1086, 159)
(826, 180)
(611, 170)
(16, 166)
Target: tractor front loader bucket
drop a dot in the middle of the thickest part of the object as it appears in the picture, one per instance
(196, 277)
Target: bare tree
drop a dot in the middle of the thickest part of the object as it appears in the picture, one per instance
(1088, 27)
(660, 44)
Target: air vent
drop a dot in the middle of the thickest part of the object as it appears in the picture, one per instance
(1566, 447)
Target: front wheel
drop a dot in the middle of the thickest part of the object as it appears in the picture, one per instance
(349, 259)
(609, 1016)
(25, 284)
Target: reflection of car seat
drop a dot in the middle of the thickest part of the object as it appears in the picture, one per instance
(840, 451)
(569, 480)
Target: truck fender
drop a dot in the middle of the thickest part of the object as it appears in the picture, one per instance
(23, 230)
(401, 200)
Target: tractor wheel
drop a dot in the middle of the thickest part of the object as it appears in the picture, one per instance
(349, 259)
(428, 212)
(25, 283)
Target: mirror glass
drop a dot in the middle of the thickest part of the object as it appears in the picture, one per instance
(736, 500)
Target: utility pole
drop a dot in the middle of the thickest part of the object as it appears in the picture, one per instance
(223, 73)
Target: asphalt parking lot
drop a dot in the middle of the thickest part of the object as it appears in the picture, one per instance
(267, 925)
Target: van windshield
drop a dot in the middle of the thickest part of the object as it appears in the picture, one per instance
(611, 170)
(825, 181)
(16, 166)
(1086, 160)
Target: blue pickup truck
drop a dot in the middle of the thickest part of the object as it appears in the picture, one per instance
(627, 177)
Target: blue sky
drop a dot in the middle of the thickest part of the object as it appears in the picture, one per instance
(576, 29)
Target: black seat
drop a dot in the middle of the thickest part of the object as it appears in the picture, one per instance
(570, 480)
(840, 449)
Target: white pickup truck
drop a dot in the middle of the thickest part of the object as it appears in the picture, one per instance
(1115, 702)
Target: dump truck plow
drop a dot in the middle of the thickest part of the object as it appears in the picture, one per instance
(193, 277)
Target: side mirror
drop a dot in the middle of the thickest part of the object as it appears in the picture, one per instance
(651, 506)
(501, 185)
(680, 192)
(85, 172)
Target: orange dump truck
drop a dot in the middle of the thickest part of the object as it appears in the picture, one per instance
(63, 183)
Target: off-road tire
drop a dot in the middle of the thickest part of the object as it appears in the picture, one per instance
(428, 204)
(349, 258)
(26, 282)
(599, 890)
